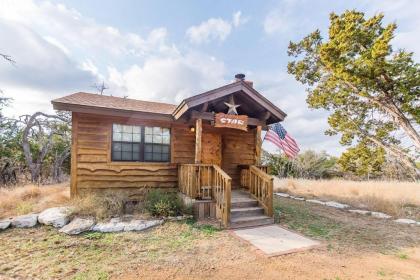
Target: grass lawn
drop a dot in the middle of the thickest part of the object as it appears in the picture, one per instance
(356, 247)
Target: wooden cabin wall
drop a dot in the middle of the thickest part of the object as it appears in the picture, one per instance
(92, 166)
(238, 147)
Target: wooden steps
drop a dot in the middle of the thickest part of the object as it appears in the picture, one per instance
(245, 211)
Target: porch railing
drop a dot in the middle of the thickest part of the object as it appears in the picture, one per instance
(260, 185)
(193, 179)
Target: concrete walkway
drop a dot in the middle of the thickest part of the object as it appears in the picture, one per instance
(274, 240)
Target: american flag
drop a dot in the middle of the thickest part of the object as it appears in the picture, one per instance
(277, 135)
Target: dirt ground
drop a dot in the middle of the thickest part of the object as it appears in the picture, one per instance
(356, 247)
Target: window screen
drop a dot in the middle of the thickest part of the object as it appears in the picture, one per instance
(157, 143)
(138, 143)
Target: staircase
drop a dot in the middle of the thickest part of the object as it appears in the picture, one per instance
(245, 211)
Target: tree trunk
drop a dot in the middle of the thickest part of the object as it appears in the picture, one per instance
(58, 162)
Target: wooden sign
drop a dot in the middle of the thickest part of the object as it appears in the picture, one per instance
(231, 121)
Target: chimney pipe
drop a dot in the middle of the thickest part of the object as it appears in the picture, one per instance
(240, 77)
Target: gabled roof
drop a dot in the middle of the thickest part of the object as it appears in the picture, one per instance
(253, 104)
(236, 87)
(111, 102)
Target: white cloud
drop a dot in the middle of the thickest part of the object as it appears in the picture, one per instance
(168, 79)
(214, 29)
(59, 51)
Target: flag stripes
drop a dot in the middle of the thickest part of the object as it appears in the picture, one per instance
(279, 137)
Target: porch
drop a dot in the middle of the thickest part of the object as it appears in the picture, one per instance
(249, 204)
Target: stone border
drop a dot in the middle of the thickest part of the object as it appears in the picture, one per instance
(60, 217)
(346, 207)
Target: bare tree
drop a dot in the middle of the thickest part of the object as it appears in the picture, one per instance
(8, 58)
(41, 128)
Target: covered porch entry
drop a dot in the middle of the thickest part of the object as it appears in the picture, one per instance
(227, 167)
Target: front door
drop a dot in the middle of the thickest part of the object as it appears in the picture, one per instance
(211, 149)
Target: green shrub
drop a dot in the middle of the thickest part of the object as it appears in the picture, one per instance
(160, 203)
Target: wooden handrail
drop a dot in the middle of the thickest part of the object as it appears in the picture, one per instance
(260, 185)
(193, 177)
(222, 188)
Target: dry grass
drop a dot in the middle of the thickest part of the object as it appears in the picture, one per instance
(31, 198)
(395, 198)
(99, 206)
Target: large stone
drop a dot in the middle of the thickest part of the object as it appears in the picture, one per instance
(336, 205)
(361, 212)
(25, 221)
(117, 225)
(380, 215)
(113, 225)
(4, 224)
(138, 225)
(405, 221)
(316, 201)
(78, 225)
(57, 216)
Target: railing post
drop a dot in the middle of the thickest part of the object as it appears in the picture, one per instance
(270, 198)
(228, 201)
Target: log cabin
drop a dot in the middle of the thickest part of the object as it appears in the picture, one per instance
(208, 148)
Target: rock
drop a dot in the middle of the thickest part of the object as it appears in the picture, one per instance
(113, 225)
(405, 221)
(282, 194)
(4, 224)
(380, 215)
(316, 201)
(297, 197)
(25, 221)
(336, 205)
(117, 225)
(362, 212)
(138, 225)
(78, 225)
(57, 216)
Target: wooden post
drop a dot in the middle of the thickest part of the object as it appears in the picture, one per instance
(258, 144)
(198, 133)
(73, 159)
(270, 197)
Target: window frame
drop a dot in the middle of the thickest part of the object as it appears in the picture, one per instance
(142, 145)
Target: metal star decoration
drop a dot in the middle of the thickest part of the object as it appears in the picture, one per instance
(232, 107)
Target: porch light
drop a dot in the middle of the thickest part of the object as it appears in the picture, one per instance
(192, 128)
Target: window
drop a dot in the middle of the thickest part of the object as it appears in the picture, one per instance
(139, 143)
(156, 147)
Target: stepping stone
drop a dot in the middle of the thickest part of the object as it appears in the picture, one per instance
(4, 224)
(336, 205)
(25, 221)
(297, 198)
(78, 225)
(56, 216)
(405, 221)
(316, 201)
(282, 194)
(380, 215)
(274, 240)
(362, 212)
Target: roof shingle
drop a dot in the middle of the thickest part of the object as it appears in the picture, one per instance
(112, 102)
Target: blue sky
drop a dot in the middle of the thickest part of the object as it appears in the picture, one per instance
(168, 50)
